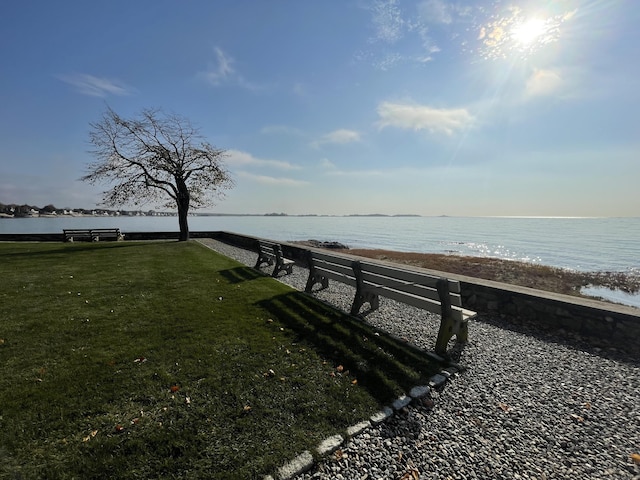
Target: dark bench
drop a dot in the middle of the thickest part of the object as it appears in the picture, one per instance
(92, 235)
(419, 289)
(270, 253)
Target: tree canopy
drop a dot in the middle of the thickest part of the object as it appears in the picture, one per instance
(156, 157)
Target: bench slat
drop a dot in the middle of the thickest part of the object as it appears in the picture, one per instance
(374, 281)
(409, 275)
(332, 274)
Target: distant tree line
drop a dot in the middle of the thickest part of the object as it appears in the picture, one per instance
(25, 210)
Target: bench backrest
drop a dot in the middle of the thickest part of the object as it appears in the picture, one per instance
(333, 267)
(413, 288)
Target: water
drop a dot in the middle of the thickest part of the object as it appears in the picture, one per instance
(583, 244)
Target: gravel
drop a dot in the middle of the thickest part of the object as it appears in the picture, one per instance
(530, 405)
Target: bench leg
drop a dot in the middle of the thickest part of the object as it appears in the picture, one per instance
(444, 335)
(361, 298)
(449, 328)
(261, 260)
(313, 279)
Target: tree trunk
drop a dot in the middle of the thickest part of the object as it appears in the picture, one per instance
(183, 210)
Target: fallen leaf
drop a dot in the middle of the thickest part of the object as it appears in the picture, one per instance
(577, 418)
(246, 409)
(174, 388)
(636, 458)
(504, 407)
(1, 341)
(339, 368)
(140, 360)
(412, 474)
(354, 381)
(119, 428)
(338, 454)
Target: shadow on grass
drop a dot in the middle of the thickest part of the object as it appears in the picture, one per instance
(383, 365)
(240, 274)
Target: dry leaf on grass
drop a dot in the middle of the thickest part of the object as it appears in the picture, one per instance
(635, 457)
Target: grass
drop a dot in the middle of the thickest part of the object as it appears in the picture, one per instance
(167, 360)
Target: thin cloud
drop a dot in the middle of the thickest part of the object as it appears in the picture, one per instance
(241, 159)
(437, 11)
(422, 117)
(280, 130)
(327, 164)
(387, 21)
(277, 181)
(221, 72)
(95, 86)
(543, 83)
(339, 137)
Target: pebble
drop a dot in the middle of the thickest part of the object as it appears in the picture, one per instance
(529, 405)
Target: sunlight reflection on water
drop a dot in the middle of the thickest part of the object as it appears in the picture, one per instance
(617, 296)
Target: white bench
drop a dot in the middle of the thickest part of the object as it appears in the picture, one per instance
(270, 253)
(412, 287)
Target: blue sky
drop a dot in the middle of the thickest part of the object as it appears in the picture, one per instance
(425, 107)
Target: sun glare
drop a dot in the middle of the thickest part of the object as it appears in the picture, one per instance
(512, 32)
(530, 31)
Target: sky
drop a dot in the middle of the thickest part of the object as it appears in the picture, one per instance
(428, 107)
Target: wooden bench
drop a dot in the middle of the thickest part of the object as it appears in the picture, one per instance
(92, 235)
(271, 254)
(418, 289)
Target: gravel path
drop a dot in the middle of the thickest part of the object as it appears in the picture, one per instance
(529, 406)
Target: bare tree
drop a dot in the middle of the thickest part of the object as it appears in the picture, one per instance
(156, 157)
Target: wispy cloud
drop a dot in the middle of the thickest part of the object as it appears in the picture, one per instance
(340, 136)
(221, 69)
(444, 12)
(327, 164)
(387, 21)
(268, 180)
(281, 130)
(543, 83)
(242, 159)
(422, 117)
(221, 72)
(95, 86)
(405, 35)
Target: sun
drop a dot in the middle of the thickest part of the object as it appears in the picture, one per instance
(529, 31)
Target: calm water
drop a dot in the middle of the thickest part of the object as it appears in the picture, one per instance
(587, 244)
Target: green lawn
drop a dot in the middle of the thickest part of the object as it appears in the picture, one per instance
(167, 360)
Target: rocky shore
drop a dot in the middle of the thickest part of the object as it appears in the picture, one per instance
(528, 406)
